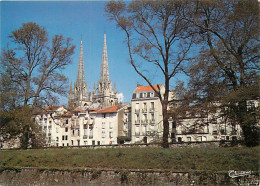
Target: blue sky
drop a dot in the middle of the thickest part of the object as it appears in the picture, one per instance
(80, 19)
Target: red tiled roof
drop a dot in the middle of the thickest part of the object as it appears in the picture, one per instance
(78, 110)
(112, 109)
(94, 109)
(67, 115)
(147, 88)
(47, 109)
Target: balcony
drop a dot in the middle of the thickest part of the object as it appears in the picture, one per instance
(137, 121)
(137, 133)
(144, 110)
(91, 137)
(151, 121)
(145, 121)
(137, 110)
(85, 136)
(151, 110)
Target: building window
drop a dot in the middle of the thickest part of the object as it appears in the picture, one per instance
(103, 134)
(66, 137)
(145, 107)
(152, 118)
(152, 128)
(67, 121)
(111, 134)
(91, 133)
(104, 115)
(152, 105)
(62, 137)
(137, 108)
(103, 125)
(110, 125)
(137, 118)
(57, 129)
(66, 129)
(144, 94)
(188, 138)
(137, 130)
(71, 142)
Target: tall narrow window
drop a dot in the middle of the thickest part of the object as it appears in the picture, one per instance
(137, 107)
(152, 105)
(137, 130)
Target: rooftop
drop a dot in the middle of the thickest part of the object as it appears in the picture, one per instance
(112, 109)
(147, 88)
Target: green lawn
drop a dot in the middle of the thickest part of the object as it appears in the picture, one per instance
(179, 159)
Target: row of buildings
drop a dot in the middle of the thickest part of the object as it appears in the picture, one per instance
(96, 118)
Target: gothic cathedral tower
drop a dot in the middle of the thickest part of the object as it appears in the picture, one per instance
(78, 96)
(105, 95)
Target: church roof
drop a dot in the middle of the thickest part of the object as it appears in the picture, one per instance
(147, 88)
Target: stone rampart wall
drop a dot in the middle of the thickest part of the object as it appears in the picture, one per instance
(34, 176)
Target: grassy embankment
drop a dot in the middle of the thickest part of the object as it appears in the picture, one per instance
(177, 159)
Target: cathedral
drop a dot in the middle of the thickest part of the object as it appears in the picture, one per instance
(102, 95)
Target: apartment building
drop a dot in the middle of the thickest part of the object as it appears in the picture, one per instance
(205, 126)
(146, 114)
(108, 125)
(51, 121)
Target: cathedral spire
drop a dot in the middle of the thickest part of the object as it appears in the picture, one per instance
(70, 91)
(81, 75)
(104, 75)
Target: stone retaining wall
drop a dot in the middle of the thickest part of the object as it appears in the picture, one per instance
(35, 176)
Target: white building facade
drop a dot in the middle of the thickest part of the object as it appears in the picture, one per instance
(146, 114)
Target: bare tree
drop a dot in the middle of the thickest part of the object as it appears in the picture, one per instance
(33, 66)
(157, 35)
(31, 74)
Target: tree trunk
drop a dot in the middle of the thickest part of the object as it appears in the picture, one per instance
(165, 143)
